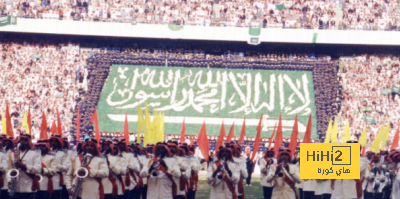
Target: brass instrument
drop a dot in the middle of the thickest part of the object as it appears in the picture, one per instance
(13, 174)
(156, 165)
(222, 169)
(81, 173)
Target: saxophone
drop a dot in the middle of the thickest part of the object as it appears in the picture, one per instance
(81, 173)
(13, 173)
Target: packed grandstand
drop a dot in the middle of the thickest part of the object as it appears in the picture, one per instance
(343, 15)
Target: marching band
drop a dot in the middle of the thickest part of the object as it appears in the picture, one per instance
(113, 169)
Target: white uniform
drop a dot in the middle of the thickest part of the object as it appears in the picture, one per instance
(219, 188)
(133, 164)
(346, 188)
(161, 182)
(281, 189)
(243, 171)
(396, 185)
(185, 173)
(63, 164)
(264, 173)
(49, 169)
(33, 161)
(90, 186)
(143, 160)
(4, 167)
(195, 168)
(323, 187)
(116, 167)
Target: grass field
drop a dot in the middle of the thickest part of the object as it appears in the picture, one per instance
(253, 192)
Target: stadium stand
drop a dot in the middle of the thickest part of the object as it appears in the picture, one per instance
(364, 15)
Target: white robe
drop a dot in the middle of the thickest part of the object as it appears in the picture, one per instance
(242, 169)
(161, 183)
(264, 173)
(219, 189)
(183, 163)
(33, 161)
(50, 170)
(63, 165)
(346, 188)
(117, 167)
(98, 169)
(4, 167)
(396, 185)
(132, 165)
(281, 190)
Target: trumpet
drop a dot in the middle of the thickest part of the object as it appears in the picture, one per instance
(222, 169)
(81, 173)
(156, 165)
(13, 173)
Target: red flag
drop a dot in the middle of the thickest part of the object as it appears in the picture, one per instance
(293, 138)
(272, 137)
(78, 125)
(220, 137)
(395, 143)
(43, 128)
(278, 137)
(53, 128)
(257, 141)
(59, 129)
(243, 132)
(231, 133)
(29, 120)
(183, 130)
(307, 135)
(95, 121)
(126, 129)
(202, 141)
(8, 123)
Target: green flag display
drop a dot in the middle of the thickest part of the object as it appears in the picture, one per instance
(396, 89)
(8, 20)
(211, 95)
(174, 27)
(386, 91)
(367, 109)
(369, 119)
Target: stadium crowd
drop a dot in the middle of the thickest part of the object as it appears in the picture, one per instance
(288, 14)
(42, 77)
(365, 15)
(365, 80)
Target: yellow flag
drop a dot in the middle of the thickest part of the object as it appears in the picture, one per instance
(160, 134)
(379, 137)
(154, 127)
(346, 133)
(147, 126)
(386, 135)
(3, 123)
(140, 123)
(363, 138)
(25, 123)
(328, 132)
(334, 132)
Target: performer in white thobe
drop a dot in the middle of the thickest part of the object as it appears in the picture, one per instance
(49, 169)
(160, 172)
(349, 188)
(284, 175)
(265, 164)
(92, 186)
(223, 175)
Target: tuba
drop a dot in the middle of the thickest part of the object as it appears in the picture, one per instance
(13, 174)
(81, 173)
